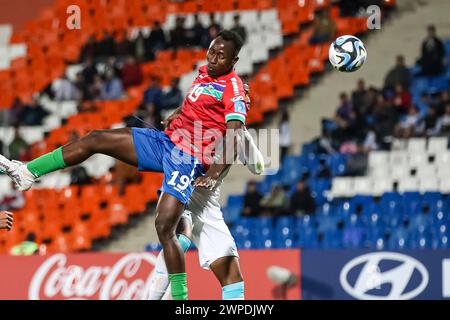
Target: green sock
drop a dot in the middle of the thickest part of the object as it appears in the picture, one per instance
(178, 284)
(47, 163)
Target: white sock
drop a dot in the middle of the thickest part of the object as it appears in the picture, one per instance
(159, 282)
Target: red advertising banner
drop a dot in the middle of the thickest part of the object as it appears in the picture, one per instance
(109, 276)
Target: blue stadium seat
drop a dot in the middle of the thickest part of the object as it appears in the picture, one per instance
(337, 164)
(264, 186)
(431, 197)
(309, 148)
(438, 84)
(231, 214)
(353, 237)
(420, 85)
(415, 70)
(282, 221)
(307, 237)
(319, 188)
(235, 201)
(306, 221)
(440, 242)
(285, 243)
(327, 223)
(371, 235)
(262, 222)
(447, 47)
(332, 239)
(399, 239)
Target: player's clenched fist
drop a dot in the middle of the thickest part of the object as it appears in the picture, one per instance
(6, 220)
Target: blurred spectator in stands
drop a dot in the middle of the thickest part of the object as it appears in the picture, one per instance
(14, 200)
(428, 125)
(239, 28)
(324, 28)
(440, 102)
(353, 8)
(178, 34)
(112, 88)
(151, 118)
(385, 117)
(157, 38)
(443, 125)
(402, 99)
(213, 23)
(399, 74)
(82, 87)
(131, 73)
(285, 135)
(344, 118)
(34, 113)
(124, 47)
(26, 248)
(301, 201)
(409, 125)
(124, 174)
(348, 8)
(213, 29)
(274, 203)
(15, 112)
(111, 68)
(433, 54)
(19, 148)
(357, 163)
(89, 50)
(372, 97)
(89, 71)
(370, 141)
(64, 89)
(153, 93)
(252, 200)
(344, 110)
(171, 99)
(141, 50)
(79, 176)
(95, 89)
(360, 98)
(106, 47)
(197, 35)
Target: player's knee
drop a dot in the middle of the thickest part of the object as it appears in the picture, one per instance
(94, 140)
(164, 229)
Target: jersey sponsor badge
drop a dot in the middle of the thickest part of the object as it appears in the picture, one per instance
(239, 106)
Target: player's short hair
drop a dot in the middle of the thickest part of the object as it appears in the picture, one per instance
(232, 36)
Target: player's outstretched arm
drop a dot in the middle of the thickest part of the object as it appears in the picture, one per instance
(6, 220)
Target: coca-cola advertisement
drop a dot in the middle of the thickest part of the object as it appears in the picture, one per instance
(112, 276)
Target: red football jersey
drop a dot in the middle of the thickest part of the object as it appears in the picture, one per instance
(209, 105)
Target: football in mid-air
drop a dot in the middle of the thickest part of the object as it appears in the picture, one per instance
(347, 53)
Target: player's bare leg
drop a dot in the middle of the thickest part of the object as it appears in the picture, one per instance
(117, 143)
(160, 278)
(168, 214)
(227, 270)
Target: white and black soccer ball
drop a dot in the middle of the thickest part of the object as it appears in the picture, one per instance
(347, 53)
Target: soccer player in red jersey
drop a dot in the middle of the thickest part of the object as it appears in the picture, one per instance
(184, 152)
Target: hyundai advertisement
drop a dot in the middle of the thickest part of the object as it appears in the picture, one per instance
(375, 275)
